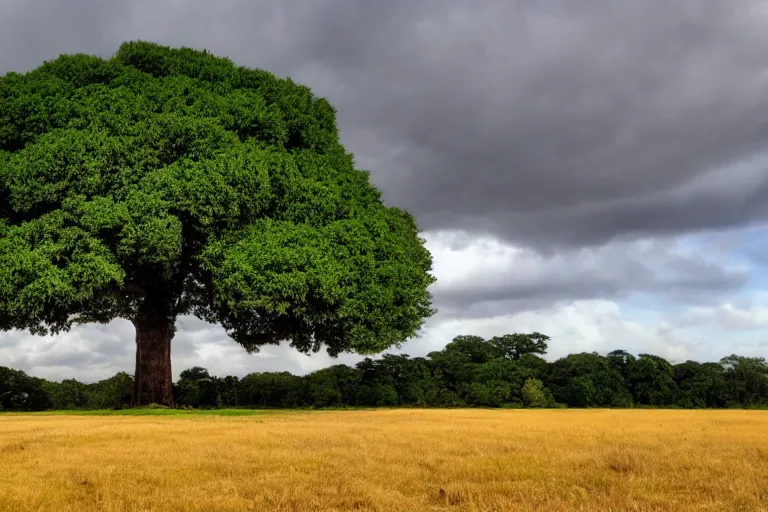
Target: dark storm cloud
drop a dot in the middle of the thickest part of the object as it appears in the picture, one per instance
(547, 122)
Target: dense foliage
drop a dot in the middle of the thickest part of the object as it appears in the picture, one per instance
(166, 182)
(505, 371)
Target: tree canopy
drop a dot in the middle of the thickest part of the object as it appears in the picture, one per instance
(166, 182)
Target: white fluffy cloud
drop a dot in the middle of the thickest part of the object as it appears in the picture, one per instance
(579, 326)
(482, 276)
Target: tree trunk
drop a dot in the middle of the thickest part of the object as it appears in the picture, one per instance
(153, 380)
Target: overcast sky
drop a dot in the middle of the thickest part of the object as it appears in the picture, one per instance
(591, 169)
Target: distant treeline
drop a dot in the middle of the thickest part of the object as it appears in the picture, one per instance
(504, 371)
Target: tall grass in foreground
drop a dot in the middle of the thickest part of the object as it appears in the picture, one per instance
(388, 460)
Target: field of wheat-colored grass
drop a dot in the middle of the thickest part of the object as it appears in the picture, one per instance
(387, 460)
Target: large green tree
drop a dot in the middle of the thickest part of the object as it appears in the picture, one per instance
(166, 182)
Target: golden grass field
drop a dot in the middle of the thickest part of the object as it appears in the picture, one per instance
(415, 460)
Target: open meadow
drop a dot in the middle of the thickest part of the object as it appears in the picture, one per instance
(386, 460)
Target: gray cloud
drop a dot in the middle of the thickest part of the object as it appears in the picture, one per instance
(92, 352)
(546, 123)
(490, 278)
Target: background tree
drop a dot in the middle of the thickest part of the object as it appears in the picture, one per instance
(621, 361)
(112, 393)
(699, 385)
(534, 394)
(498, 382)
(515, 346)
(68, 394)
(348, 381)
(475, 349)
(197, 388)
(167, 182)
(454, 366)
(323, 388)
(20, 392)
(411, 379)
(588, 380)
(273, 389)
(746, 380)
(229, 391)
(651, 381)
